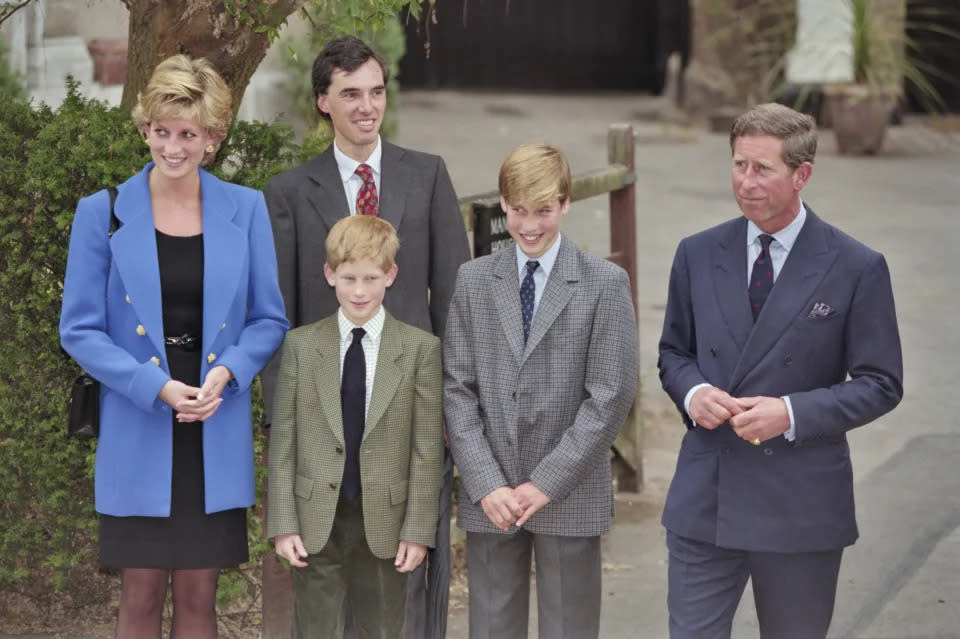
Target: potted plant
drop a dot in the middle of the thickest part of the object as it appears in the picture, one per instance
(883, 56)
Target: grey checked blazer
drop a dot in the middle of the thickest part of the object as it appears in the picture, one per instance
(401, 457)
(546, 412)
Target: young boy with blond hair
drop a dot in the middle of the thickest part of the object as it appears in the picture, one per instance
(540, 370)
(356, 448)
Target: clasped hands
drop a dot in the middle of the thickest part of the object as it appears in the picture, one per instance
(754, 419)
(196, 404)
(507, 506)
(290, 547)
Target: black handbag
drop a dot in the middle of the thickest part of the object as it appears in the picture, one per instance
(83, 418)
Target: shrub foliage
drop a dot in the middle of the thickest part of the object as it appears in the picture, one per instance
(48, 159)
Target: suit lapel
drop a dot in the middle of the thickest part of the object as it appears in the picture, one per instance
(559, 289)
(730, 280)
(395, 180)
(506, 297)
(808, 262)
(134, 252)
(388, 375)
(223, 245)
(328, 200)
(326, 340)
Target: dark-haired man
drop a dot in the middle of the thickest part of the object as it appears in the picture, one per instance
(361, 174)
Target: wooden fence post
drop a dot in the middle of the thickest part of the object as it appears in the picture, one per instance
(623, 204)
(628, 469)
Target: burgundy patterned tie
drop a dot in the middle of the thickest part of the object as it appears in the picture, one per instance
(367, 201)
(761, 278)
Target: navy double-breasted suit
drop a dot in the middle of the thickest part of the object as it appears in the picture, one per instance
(112, 324)
(826, 337)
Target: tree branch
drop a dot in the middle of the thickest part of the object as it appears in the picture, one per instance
(7, 10)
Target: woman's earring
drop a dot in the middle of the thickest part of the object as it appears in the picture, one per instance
(210, 148)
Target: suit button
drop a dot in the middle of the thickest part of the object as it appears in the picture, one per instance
(714, 351)
(767, 451)
(339, 450)
(514, 395)
(127, 299)
(223, 326)
(333, 485)
(211, 358)
(155, 360)
(787, 360)
(727, 450)
(141, 331)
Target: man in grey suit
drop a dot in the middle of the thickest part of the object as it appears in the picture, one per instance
(540, 370)
(780, 336)
(361, 174)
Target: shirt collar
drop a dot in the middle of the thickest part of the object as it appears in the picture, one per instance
(348, 166)
(547, 260)
(373, 326)
(785, 236)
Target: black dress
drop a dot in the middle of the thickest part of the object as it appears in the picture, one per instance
(189, 538)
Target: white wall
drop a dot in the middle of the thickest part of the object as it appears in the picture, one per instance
(824, 51)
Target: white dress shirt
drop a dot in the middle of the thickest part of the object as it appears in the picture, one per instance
(783, 241)
(547, 260)
(348, 172)
(370, 343)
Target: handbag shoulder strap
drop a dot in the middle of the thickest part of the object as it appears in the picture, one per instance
(114, 222)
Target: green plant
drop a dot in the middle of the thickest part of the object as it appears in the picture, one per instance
(887, 49)
(11, 84)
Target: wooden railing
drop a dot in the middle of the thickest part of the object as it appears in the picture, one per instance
(482, 215)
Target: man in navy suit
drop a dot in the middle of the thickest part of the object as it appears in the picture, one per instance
(780, 336)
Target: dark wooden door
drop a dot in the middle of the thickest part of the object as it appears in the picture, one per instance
(546, 44)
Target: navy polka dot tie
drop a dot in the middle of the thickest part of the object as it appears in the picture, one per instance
(761, 278)
(528, 291)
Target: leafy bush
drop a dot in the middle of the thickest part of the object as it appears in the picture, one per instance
(11, 83)
(48, 159)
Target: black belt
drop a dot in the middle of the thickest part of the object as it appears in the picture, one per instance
(184, 342)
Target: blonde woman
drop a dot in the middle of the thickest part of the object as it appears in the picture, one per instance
(174, 313)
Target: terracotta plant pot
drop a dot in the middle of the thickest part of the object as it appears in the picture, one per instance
(859, 114)
(109, 60)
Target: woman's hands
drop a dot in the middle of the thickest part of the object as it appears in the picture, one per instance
(196, 404)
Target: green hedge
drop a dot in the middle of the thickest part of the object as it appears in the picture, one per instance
(48, 159)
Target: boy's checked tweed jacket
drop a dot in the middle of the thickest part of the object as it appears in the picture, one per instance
(401, 456)
(548, 411)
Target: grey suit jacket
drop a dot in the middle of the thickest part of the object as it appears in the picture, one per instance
(416, 196)
(401, 456)
(548, 411)
(830, 316)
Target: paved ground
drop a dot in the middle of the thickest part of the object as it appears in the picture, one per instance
(902, 580)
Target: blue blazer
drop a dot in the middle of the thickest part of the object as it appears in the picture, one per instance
(827, 337)
(112, 324)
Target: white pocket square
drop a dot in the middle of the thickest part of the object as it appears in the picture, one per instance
(820, 310)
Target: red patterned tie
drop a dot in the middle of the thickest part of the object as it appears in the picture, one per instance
(367, 201)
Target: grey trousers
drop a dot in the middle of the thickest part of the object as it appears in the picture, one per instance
(568, 585)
